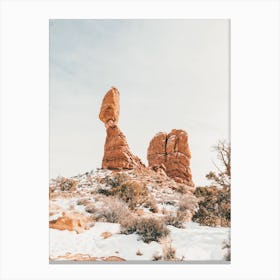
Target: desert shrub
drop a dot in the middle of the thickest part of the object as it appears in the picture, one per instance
(157, 257)
(227, 256)
(111, 182)
(150, 229)
(169, 253)
(139, 253)
(90, 209)
(170, 202)
(151, 204)
(82, 201)
(66, 184)
(129, 226)
(132, 192)
(176, 220)
(115, 179)
(214, 206)
(104, 190)
(182, 188)
(187, 202)
(51, 189)
(114, 211)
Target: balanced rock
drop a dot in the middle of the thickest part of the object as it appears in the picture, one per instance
(117, 154)
(110, 108)
(172, 150)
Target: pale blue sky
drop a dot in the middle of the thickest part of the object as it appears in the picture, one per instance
(170, 74)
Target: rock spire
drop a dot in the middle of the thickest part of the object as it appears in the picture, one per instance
(117, 154)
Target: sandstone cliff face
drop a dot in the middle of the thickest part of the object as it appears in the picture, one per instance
(171, 152)
(117, 154)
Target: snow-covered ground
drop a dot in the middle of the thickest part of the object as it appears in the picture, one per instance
(192, 243)
(197, 242)
(98, 239)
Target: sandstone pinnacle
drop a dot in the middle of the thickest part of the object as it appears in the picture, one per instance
(117, 154)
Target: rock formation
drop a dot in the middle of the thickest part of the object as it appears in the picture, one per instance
(117, 154)
(110, 108)
(72, 221)
(171, 152)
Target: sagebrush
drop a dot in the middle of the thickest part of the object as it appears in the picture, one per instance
(150, 228)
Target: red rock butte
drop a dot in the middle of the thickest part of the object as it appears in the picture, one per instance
(117, 154)
(172, 153)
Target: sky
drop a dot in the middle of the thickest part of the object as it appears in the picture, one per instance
(171, 73)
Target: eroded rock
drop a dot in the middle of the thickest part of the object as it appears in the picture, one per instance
(117, 154)
(172, 153)
(110, 108)
(72, 221)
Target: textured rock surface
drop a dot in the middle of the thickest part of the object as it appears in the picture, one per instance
(171, 151)
(110, 108)
(71, 221)
(117, 154)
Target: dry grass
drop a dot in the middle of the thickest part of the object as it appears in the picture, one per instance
(187, 202)
(114, 211)
(169, 253)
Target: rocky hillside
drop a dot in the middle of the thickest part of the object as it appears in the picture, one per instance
(105, 215)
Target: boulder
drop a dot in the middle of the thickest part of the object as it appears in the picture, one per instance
(110, 108)
(72, 221)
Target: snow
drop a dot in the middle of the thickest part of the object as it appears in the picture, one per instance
(65, 203)
(90, 242)
(192, 243)
(197, 242)
(167, 207)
